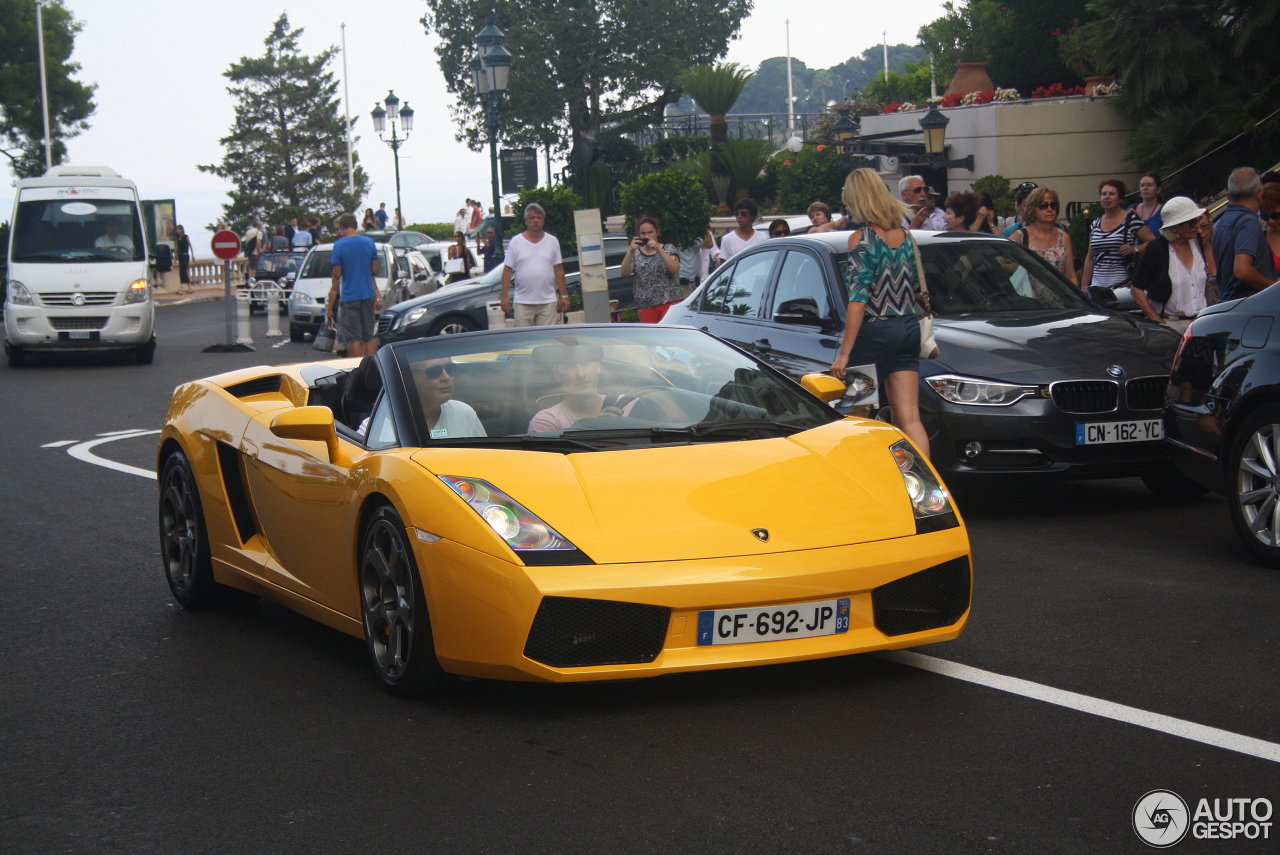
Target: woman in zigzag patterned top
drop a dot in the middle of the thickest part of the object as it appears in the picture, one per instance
(881, 324)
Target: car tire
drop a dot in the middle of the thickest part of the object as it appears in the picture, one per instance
(145, 354)
(296, 333)
(1253, 484)
(1169, 483)
(17, 358)
(453, 325)
(184, 543)
(393, 608)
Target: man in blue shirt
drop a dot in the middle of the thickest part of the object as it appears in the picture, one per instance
(381, 215)
(1239, 245)
(355, 263)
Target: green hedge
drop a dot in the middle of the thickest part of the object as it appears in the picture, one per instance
(559, 202)
(676, 199)
(439, 231)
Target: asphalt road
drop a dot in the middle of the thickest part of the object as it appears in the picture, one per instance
(129, 725)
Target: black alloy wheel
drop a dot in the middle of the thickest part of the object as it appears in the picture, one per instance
(1253, 479)
(297, 333)
(145, 354)
(397, 629)
(184, 545)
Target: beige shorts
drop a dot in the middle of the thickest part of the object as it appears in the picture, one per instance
(536, 314)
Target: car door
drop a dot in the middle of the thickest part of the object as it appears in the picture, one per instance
(800, 331)
(734, 299)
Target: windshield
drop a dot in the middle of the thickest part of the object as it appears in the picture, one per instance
(987, 276)
(276, 264)
(597, 388)
(59, 230)
(317, 265)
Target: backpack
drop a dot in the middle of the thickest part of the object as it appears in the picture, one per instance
(164, 258)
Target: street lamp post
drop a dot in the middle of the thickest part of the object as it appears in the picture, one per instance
(491, 70)
(404, 115)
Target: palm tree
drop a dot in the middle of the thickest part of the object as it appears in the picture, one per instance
(715, 89)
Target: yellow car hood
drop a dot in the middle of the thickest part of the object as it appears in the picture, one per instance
(830, 486)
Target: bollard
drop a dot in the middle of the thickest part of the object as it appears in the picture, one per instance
(243, 303)
(273, 312)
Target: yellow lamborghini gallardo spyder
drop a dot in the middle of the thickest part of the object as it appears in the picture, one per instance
(560, 504)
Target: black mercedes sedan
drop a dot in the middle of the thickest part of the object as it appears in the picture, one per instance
(464, 306)
(1222, 413)
(1031, 376)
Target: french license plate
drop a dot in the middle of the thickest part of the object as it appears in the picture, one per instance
(1104, 433)
(79, 335)
(773, 623)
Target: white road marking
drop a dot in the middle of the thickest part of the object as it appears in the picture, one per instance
(83, 451)
(123, 432)
(1094, 706)
(60, 443)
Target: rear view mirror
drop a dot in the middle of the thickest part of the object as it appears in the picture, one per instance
(1103, 297)
(802, 310)
(823, 386)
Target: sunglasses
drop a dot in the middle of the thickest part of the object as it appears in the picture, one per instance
(1274, 215)
(780, 233)
(1044, 205)
(433, 372)
(919, 189)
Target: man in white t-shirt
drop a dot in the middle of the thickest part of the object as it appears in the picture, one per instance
(533, 261)
(114, 240)
(745, 212)
(301, 238)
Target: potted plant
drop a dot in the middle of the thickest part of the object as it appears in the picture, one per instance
(962, 39)
(1078, 46)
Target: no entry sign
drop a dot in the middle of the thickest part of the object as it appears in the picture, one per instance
(226, 245)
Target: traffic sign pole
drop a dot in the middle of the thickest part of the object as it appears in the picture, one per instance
(226, 245)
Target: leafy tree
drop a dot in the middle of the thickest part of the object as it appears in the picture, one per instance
(766, 91)
(580, 66)
(912, 84)
(813, 175)
(559, 201)
(675, 198)
(1203, 79)
(286, 153)
(967, 33)
(1027, 57)
(70, 101)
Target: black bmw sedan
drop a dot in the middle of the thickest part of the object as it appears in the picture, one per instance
(1222, 416)
(1031, 376)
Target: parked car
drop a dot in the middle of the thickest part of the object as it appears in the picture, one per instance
(273, 268)
(1031, 376)
(399, 271)
(464, 306)
(727, 518)
(1222, 413)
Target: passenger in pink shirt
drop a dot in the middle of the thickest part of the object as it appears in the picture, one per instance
(579, 377)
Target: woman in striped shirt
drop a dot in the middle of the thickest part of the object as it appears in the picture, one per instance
(1115, 239)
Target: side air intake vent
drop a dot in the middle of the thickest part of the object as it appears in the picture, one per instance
(572, 632)
(934, 597)
(257, 386)
(237, 496)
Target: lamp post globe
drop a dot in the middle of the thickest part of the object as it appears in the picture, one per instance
(490, 74)
(403, 117)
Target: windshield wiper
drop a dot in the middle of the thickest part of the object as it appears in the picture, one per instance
(744, 425)
(561, 444)
(693, 432)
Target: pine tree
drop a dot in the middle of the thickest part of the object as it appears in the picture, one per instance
(286, 154)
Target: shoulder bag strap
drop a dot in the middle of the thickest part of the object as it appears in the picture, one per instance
(924, 287)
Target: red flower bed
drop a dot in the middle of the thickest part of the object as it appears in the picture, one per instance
(1056, 91)
(952, 100)
(891, 107)
(984, 97)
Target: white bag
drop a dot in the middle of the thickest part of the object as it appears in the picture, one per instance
(455, 265)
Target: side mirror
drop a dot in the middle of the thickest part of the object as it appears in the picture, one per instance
(823, 386)
(802, 310)
(309, 423)
(1103, 297)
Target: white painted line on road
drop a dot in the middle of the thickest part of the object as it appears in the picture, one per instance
(123, 432)
(1094, 706)
(84, 452)
(60, 443)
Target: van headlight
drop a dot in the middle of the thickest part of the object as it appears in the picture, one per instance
(410, 317)
(978, 392)
(18, 294)
(138, 292)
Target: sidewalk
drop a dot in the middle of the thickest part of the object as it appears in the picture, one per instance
(205, 294)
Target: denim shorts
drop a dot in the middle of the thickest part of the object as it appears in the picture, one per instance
(893, 344)
(357, 321)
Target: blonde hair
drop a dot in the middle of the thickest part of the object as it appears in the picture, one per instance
(1035, 197)
(868, 201)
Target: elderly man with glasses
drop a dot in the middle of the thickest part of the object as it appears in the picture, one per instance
(925, 214)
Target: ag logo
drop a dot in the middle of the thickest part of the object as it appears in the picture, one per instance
(1160, 818)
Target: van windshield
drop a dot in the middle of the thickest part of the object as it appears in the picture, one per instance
(55, 231)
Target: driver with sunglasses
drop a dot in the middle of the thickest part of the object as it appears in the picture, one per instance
(446, 418)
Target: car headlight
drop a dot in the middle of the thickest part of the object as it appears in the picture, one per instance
(410, 317)
(138, 291)
(19, 295)
(981, 393)
(514, 523)
(928, 497)
(302, 298)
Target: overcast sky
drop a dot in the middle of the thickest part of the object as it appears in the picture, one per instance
(163, 105)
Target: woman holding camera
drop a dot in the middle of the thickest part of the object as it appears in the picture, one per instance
(656, 268)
